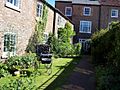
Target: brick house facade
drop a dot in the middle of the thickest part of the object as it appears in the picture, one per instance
(18, 19)
(89, 16)
(17, 23)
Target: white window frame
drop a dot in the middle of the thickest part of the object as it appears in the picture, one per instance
(89, 23)
(84, 13)
(66, 11)
(40, 10)
(116, 11)
(83, 42)
(6, 54)
(12, 6)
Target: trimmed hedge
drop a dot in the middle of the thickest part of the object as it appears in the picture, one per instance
(106, 57)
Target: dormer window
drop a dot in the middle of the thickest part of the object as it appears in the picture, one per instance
(68, 11)
(87, 11)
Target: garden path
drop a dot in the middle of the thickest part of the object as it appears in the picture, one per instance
(82, 77)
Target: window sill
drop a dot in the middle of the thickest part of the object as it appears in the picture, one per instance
(12, 7)
(85, 32)
(68, 15)
(114, 16)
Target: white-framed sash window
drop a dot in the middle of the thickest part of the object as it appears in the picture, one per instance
(114, 13)
(87, 11)
(68, 11)
(85, 26)
(9, 45)
(39, 9)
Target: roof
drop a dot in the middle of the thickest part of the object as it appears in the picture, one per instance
(110, 2)
(92, 2)
(56, 10)
(65, 0)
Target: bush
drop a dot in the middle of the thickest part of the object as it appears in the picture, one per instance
(20, 84)
(107, 78)
(61, 46)
(3, 70)
(106, 55)
(77, 49)
(105, 45)
(21, 62)
(99, 47)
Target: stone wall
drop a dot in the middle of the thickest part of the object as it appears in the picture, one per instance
(20, 22)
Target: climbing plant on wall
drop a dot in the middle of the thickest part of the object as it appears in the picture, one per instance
(37, 38)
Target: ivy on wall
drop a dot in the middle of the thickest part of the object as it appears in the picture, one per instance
(38, 36)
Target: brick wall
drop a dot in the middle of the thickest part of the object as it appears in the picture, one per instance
(22, 23)
(50, 20)
(106, 16)
(78, 16)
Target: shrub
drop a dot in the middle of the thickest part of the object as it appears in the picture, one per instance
(21, 62)
(19, 84)
(77, 48)
(107, 78)
(3, 70)
(62, 46)
(99, 42)
(106, 55)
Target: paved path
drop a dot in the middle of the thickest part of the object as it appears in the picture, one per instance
(82, 78)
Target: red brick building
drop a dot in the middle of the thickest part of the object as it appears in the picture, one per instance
(89, 16)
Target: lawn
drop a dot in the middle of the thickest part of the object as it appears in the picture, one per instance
(61, 68)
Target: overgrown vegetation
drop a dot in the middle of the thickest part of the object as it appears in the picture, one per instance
(62, 46)
(61, 69)
(106, 57)
(38, 36)
(20, 84)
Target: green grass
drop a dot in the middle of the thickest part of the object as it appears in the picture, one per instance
(61, 68)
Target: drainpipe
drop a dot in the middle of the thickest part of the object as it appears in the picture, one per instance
(54, 22)
(99, 18)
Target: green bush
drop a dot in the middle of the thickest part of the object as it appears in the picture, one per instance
(77, 49)
(100, 47)
(61, 46)
(107, 78)
(105, 45)
(20, 84)
(26, 61)
(3, 70)
(106, 55)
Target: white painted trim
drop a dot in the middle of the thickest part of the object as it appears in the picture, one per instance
(40, 3)
(5, 54)
(116, 12)
(89, 11)
(66, 11)
(8, 4)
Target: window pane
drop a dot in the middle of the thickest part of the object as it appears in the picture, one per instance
(9, 42)
(16, 2)
(39, 10)
(68, 11)
(85, 26)
(114, 13)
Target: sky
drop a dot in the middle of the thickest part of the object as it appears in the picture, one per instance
(52, 2)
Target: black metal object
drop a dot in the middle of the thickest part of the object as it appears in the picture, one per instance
(46, 58)
(43, 51)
